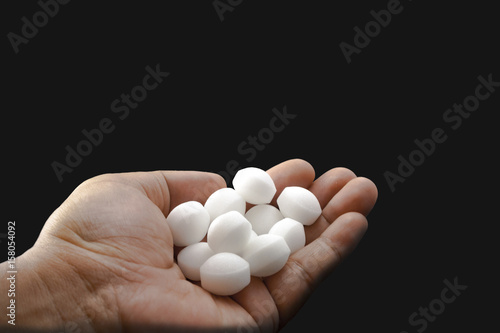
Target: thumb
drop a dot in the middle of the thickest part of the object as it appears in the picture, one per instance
(167, 189)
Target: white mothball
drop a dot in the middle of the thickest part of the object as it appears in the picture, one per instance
(258, 242)
(253, 235)
(188, 223)
(254, 185)
(266, 254)
(292, 231)
(263, 217)
(224, 200)
(225, 274)
(299, 204)
(192, 257)
(229, 232)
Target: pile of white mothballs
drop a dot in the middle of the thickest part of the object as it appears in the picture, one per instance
(241, 243)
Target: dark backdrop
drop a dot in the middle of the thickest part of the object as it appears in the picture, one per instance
(227, 74)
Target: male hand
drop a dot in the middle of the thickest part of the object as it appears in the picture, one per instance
(104, 260)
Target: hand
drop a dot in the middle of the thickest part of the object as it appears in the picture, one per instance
(104, 260)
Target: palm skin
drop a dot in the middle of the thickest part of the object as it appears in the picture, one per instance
(110, 239)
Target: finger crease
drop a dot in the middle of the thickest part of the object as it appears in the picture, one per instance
(331, 245)
(301, 271)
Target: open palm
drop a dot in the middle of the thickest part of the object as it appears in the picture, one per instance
(112, 236)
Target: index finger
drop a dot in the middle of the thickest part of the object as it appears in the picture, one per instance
(295, 172)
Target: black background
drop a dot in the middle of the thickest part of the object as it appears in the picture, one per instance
(225, 79)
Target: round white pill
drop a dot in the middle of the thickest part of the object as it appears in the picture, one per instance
(188, 223)
(266, 254)
(225, 274)
(254, 185)
(192, 257)
(292, 231)
(229, 232)
(299, 204)
(224, 200)
(263, 217)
